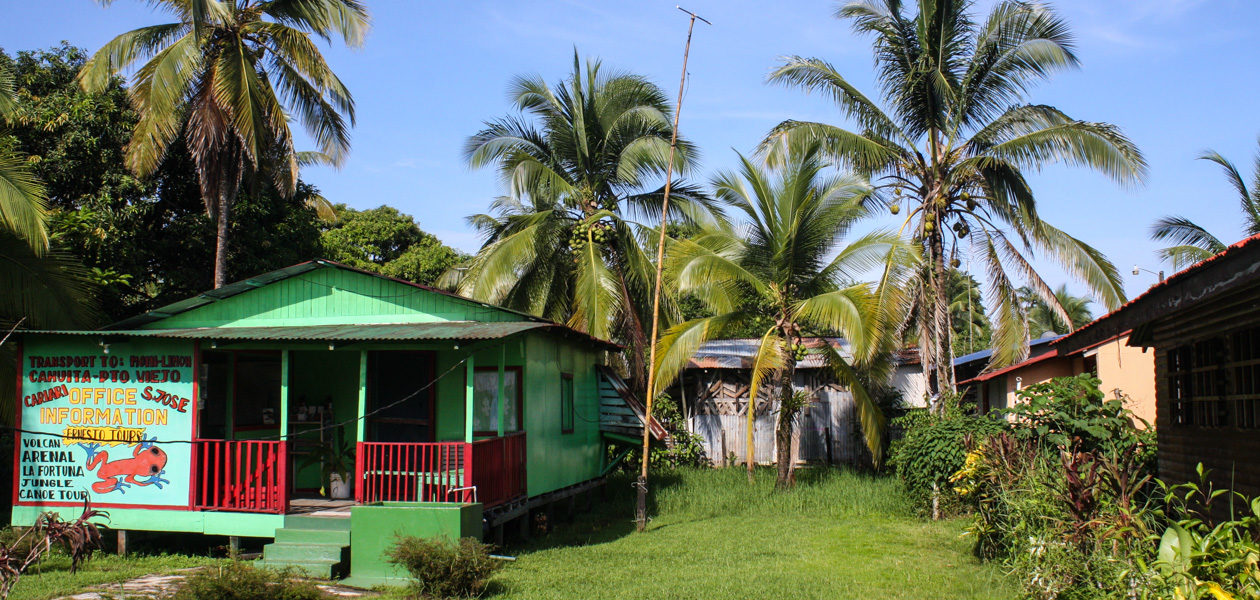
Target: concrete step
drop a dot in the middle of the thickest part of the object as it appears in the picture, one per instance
(322, 523)
(313, 536)
(322, 569)
(291, 552)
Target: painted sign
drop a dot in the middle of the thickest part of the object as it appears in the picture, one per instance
(106, 422)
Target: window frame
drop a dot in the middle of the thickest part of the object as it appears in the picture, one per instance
(520, 400)
(568, 410)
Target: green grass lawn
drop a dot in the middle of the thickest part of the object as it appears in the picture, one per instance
(837, 535)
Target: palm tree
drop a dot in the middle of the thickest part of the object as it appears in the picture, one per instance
(227, 75)
(953, 147)
(563, 243)
(789, 266)
(40, 286)
(971, 328)
(1193, 243)
(23, 206)
(1044, 319)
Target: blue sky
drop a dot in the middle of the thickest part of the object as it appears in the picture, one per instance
(1178, 76)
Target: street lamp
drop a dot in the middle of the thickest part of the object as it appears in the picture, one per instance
(1138, 271)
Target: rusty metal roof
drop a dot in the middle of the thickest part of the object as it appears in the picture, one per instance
(443, 330)
(1123, 319)
(738, 353)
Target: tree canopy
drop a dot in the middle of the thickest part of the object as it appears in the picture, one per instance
(951, 140)
(388, 242)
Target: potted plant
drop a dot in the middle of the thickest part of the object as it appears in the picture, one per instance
(336, 460)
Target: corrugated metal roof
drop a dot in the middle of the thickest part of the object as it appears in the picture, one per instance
(445, 330)
(1053, 353)
(986, 353)
(738, 353)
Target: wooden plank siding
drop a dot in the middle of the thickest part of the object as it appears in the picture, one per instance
(333, 296)
(1229, 451)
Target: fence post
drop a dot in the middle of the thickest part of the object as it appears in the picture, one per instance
(358, 472)
(468, 467)
(283, 492)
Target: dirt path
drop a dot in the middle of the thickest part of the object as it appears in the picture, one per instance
(152, 587)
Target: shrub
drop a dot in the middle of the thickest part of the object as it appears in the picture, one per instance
(933, 449)
(1199, 558)
(443, 568)
(1063, 495)
(686, 450)
(239, 581)
(1071, 412)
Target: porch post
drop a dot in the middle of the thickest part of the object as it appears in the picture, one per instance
(469, 373)
(284, 394)
(502, 399)
(229, 419)
(359, 425)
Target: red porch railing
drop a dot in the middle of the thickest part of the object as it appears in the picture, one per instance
(243, 476)
(406, 472)
(498, 467)
(441, 471)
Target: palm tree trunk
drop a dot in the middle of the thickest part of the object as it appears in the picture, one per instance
(787, 415)
(938, 321)
(221, 240)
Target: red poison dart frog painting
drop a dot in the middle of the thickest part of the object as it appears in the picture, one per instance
(145, 466)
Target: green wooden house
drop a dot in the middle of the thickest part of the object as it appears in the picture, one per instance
(239, 411)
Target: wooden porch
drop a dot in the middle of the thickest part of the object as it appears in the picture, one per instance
(254, 476)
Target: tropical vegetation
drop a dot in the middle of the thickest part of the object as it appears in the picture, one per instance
(971, 327)
(386, 241)
(1045, 319)
(1061, 491)
(580, 160)
(44, 286)
(1191, 242)
(224, 79)
(790, 264)
(952, 147)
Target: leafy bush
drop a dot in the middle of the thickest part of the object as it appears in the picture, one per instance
(443, 568)
(1063, 495)
(239, 581)
(1073, 412)
(1198, 558)
(686, 450)
(933, 449)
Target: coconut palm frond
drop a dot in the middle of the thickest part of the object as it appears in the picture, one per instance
(872, 420)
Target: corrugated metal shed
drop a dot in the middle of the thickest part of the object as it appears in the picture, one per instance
(739, 353)
(459, 330)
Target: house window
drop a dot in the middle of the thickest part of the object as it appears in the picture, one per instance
(1244, 370)
(486, 400)
(566, 403)
(1208, 381)
(1179, 385)
(1216, 382)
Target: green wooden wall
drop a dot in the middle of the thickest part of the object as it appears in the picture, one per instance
(555, 459)
(332, 296)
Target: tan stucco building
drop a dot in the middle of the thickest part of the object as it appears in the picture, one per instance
(1124, 371)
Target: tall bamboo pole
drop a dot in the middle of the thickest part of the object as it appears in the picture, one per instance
(640, 507)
